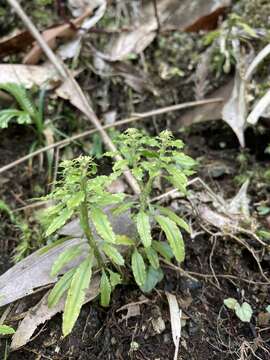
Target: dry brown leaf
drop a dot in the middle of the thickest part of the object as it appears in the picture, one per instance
(15, 42)
(19, 281)
(185, 15)
(175, 315)
(29, 76)
(216, 219)
(40, 313)
(207, 112)
(235, 110)
(51, 36)
(77, 7)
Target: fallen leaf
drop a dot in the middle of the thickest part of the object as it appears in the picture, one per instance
(185, 15)
(239, 205)
(158, 325)
(133, 310)
(207, 112)
(235, 110)
(51, 36)
(259, 109)
(214, 218)
(15, 42)
(28, 76)
(40, 313)
(19, 281)
(98, 7)
(175, 314)
(77, 7)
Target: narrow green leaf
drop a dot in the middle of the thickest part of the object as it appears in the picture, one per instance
(173, 236)
(113, 254)
(102, 225)
(174, 217)
(60, 288)
(105, 290)
(5, 208)
(178, 178)
(144, 228)
(163, 249)
(152, 257)
(115, 278)
(65, 257)
(124, 240)
(59, 221)
(6, 330)
(138, 267)
(75, 200)
(119, 209)
(184, 160)
(76, 294)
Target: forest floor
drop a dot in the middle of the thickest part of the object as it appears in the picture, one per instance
(217, 265)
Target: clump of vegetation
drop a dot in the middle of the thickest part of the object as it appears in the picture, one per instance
(81, 192)
(27, 113)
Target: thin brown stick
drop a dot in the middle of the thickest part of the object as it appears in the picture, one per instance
(136, 117)
(72, 83)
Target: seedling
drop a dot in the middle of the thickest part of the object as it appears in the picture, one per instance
(27, 113)
(243, 312)
(80, 192)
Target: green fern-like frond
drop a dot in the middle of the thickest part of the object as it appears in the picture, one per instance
(21, 96)
(22, 117)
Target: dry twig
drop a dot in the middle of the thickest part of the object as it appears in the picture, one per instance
(136, 117)
(71, 82)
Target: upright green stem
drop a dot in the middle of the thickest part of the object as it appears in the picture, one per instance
(145, 193)
(86, 227)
